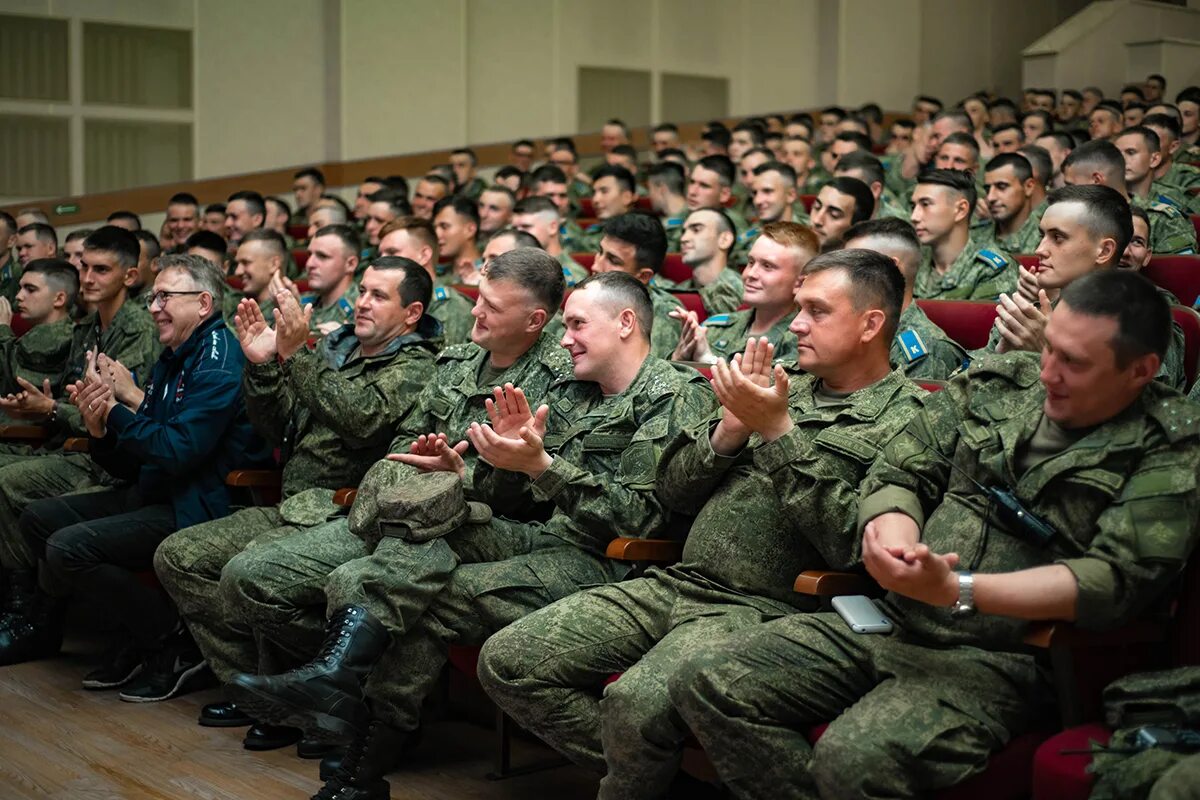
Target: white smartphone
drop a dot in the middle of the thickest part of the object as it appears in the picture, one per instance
(861, 614)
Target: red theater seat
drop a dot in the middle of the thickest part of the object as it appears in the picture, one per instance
(808, 200)
(1179, 275)
(1027, 261)
(297, 231)
(1196, 224)
(300, 257)
(692, 302)
(584, 260)
(673, 268)
(967, 322)
(1189, 320)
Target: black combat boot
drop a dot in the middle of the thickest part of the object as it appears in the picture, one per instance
(325, 696)
(33, 626)
(368, 759)
(331, 762)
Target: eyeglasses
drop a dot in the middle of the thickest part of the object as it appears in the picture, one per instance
(160, 298)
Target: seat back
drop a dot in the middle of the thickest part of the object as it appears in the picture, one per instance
(673, 268)
(1196, 224)
(967, 322)
(586, 209)
(692, 302)
(808, 200)
(1027, 261)
(299, 232)
(1179, 275)
(1189, 320)
(300, 257)
(471, 292)
(584, 260)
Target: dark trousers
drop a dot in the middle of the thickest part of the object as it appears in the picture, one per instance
(94, 545)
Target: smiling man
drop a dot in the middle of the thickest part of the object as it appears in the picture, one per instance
(769, 499)
(332, 262)
(707, 244)
(45, 300)
(963, 582)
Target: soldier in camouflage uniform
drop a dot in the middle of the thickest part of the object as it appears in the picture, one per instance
(774, 478)
(119, 328)
(1104, 455)
(706, 242)
(259, 259)
(331, 413)
(774, 198)
(415, 239)
(1099, 217)
(417, 595)
(920, 348)
(953, 268)
(1011, 187)
(10, 268)
(332, 262)
(775, 269)
(47, 295)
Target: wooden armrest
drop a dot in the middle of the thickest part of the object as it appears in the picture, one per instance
(77, 444)
(1046, 635)
(344, 497)
(255, 478)
(824, 583)
(34, 433)
(663, 551)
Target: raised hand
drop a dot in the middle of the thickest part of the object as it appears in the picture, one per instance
(509, 411)
(1022, 324)
(116, 375)
(30, 403)
(254, 334)
(525, 452)
(433, 453)
(291, 324)
(95, 401)
(281, 283)
(6, 311)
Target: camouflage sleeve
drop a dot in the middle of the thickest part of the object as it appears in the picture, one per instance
(995, 283)
(1171, 371)
(360, 413)
(817, 476)
(939, 364)
(689, 469)
(912, 471)
(664, 335)
(270, 404)
(1143, 539)
(721, 297)
(1174, 235)
(625, 501)
(8, 360)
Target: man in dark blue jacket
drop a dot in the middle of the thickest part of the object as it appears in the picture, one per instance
(188, 431)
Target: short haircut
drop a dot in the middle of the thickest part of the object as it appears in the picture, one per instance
(128, 216)
(720, 137)
(1137, 212)
(722, 165)
(253, 200)
(620, 124)
(1153, 143)
(205, 240)
(897, 232)
(76, 235)
(311, 172)
(1009, 126)
(724, 225)
(666, 127)
(466, 151)
(283, 205)
(522, 143)
(1107, 212)
(520, 238)
(1135, 90)
(1143, 316)
(273, 240)
(206, 275)
(834, 111)
(874, 283)
(799, 238)
(672, 152)
(871, 112)
(347, 235)
(118, 241)
(504, 190)
(32, 211)
(668, 174)
(1191, 94)
(1166, 122)
(416, 227)
(963, 140)
(153, 247)
(415, 286)
(623, 176)
(620, 290)
(1074, 94)
(1046, 117)
(1019, 163)
(1003, 102)
(547, 173)
(1158, 79)
(215, 208)
(1113, 110)
(756, 132)
(397, 183)
(1098, 154)
(956, 180)
(783, 170)
(870, 166)
(535, 204)
(61, 276)
(10, 224)
(1039, 159)
(397, 202)
(534, 271)
(864, 200)
(860, 140)
(183, 199)
(645, 233)
(509, 171)
(956, 116)
(433, 177)
(925, 98)
(44, 233)
(625, 150)
(338, 210)
(462, 206)
(1063, 140)
(904, 122)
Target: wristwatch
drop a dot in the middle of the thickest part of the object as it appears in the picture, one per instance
(965, 607)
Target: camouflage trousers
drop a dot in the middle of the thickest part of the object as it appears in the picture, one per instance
(37, 475)
(458, 589)
(1181, 782)
(907, 719)
(549, 672)
(189, 564)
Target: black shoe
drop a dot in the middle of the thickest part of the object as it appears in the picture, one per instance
(34, 630)
(369, 757)
(121, 665)
(325, 696)
(169, 672)
(311, 749)
(224, 715)
(271, 737)
(332, 762)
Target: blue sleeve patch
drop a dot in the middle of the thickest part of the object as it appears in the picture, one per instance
(570, 279)
(914, 347)
(344, 304)
(719, 320)
(1162, 198)
(992, 257)
(439, 293)
(751, 233)
(308, 299)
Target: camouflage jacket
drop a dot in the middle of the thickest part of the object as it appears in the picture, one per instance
(722, 296)
(340, 311)
(332, 412)
(764, 515)
(923, 350)
(453, 310)
(977, 274)
(1171, 231)
(606, 452)
(727, 335)
(1024, 240)
(664, 336)
(131, 338)
(1122, 499)
(451, 401)
(573, 271)
(41, 353)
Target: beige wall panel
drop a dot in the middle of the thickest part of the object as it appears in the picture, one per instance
(511, 49)
(879, 52)
(777, 67)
